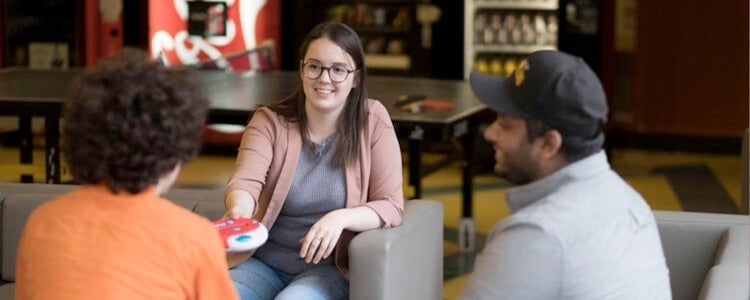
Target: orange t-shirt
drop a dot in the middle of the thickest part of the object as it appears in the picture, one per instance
(93, 244)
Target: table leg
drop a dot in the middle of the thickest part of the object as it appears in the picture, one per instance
(466, 225)
(467, 168)
(466, 234)
(26, 146)
(415, 160)
(52, 147)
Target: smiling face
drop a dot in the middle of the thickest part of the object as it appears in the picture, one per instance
(323, 95)
(515, 157)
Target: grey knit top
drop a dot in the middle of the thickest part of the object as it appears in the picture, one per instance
(318, 188)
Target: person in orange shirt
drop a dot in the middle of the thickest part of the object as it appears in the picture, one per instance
(130, 125)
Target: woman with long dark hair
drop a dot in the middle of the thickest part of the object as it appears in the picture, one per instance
(315, 168)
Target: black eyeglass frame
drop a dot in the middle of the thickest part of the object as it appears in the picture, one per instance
(302, 65)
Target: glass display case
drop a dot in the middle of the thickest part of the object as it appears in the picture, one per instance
(500, 33)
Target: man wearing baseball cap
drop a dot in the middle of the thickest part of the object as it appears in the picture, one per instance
(577, 230)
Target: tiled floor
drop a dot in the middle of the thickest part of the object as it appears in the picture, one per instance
(667, 180)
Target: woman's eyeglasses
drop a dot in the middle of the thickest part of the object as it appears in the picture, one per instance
(313, 69)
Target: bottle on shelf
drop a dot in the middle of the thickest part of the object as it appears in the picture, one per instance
(540, 27)
(528, 35)
(480, 22)
(482, 66)
(496, 28)
(496, 66)
(515, 30)
(510, 66)
(552, 30)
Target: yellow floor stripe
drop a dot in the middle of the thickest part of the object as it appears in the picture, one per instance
(452, 288)
(656, 191)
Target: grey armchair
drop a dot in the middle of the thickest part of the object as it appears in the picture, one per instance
(706, 253)
(404, 262)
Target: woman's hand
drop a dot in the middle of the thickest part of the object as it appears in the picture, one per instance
(323, 236)
(239, 205)
(321, 240)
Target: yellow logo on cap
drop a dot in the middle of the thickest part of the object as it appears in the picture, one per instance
(521, 72)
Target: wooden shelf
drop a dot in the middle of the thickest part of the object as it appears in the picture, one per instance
(520, 5)
(514, 49)
(385, 61)
(382, 30)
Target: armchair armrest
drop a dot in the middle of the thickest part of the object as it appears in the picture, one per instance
(691, 242)
(404, 262)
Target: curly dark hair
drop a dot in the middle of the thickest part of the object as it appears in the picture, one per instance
(128, 121)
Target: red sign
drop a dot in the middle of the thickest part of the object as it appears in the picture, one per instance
(248, 24)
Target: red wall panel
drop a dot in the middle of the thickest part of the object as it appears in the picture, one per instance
(250, 23)
(103, 27)
(691, 68)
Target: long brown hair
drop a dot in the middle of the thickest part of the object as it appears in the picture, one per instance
(353, 119)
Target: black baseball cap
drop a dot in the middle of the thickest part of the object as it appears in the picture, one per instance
(554, 87)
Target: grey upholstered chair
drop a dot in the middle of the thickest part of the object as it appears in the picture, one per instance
(404, 262)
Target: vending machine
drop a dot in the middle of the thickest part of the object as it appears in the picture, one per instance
(498, 34)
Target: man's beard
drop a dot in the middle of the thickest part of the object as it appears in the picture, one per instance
(516, 175)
